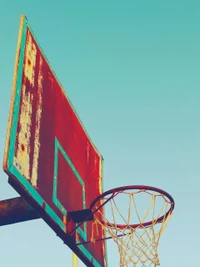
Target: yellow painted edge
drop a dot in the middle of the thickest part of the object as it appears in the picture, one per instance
(5, 159)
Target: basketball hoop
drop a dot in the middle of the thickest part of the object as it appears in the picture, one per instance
(137, 243)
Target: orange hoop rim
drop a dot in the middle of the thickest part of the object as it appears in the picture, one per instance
(115, 191)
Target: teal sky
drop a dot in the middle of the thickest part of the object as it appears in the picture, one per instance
(131, 70)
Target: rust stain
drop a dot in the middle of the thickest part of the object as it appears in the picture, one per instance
(23, 147)
(3, 205)
(49, 76)
(64, 220)
(44, 205)
(29, 62)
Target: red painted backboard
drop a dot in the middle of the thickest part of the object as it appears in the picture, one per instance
(49, 157)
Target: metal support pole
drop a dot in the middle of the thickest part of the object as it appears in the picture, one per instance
(16, 210)
(75, 260)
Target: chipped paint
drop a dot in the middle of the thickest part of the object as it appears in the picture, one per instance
(36, 149)
(25, 119)
(24, 135)
(30, 60)
(10, 119)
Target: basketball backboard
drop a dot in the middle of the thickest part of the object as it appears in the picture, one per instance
(49, 157)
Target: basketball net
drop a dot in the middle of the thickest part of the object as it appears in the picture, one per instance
(137, 244)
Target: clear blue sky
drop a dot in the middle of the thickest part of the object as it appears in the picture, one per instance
(131, 70)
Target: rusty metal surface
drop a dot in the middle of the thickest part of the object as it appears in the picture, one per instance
(49, 157)
(16, 210)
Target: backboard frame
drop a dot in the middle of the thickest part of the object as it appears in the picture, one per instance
(13, 168)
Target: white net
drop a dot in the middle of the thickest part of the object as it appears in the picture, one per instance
(138, 243)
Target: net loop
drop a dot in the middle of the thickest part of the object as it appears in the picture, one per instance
(137, 243)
